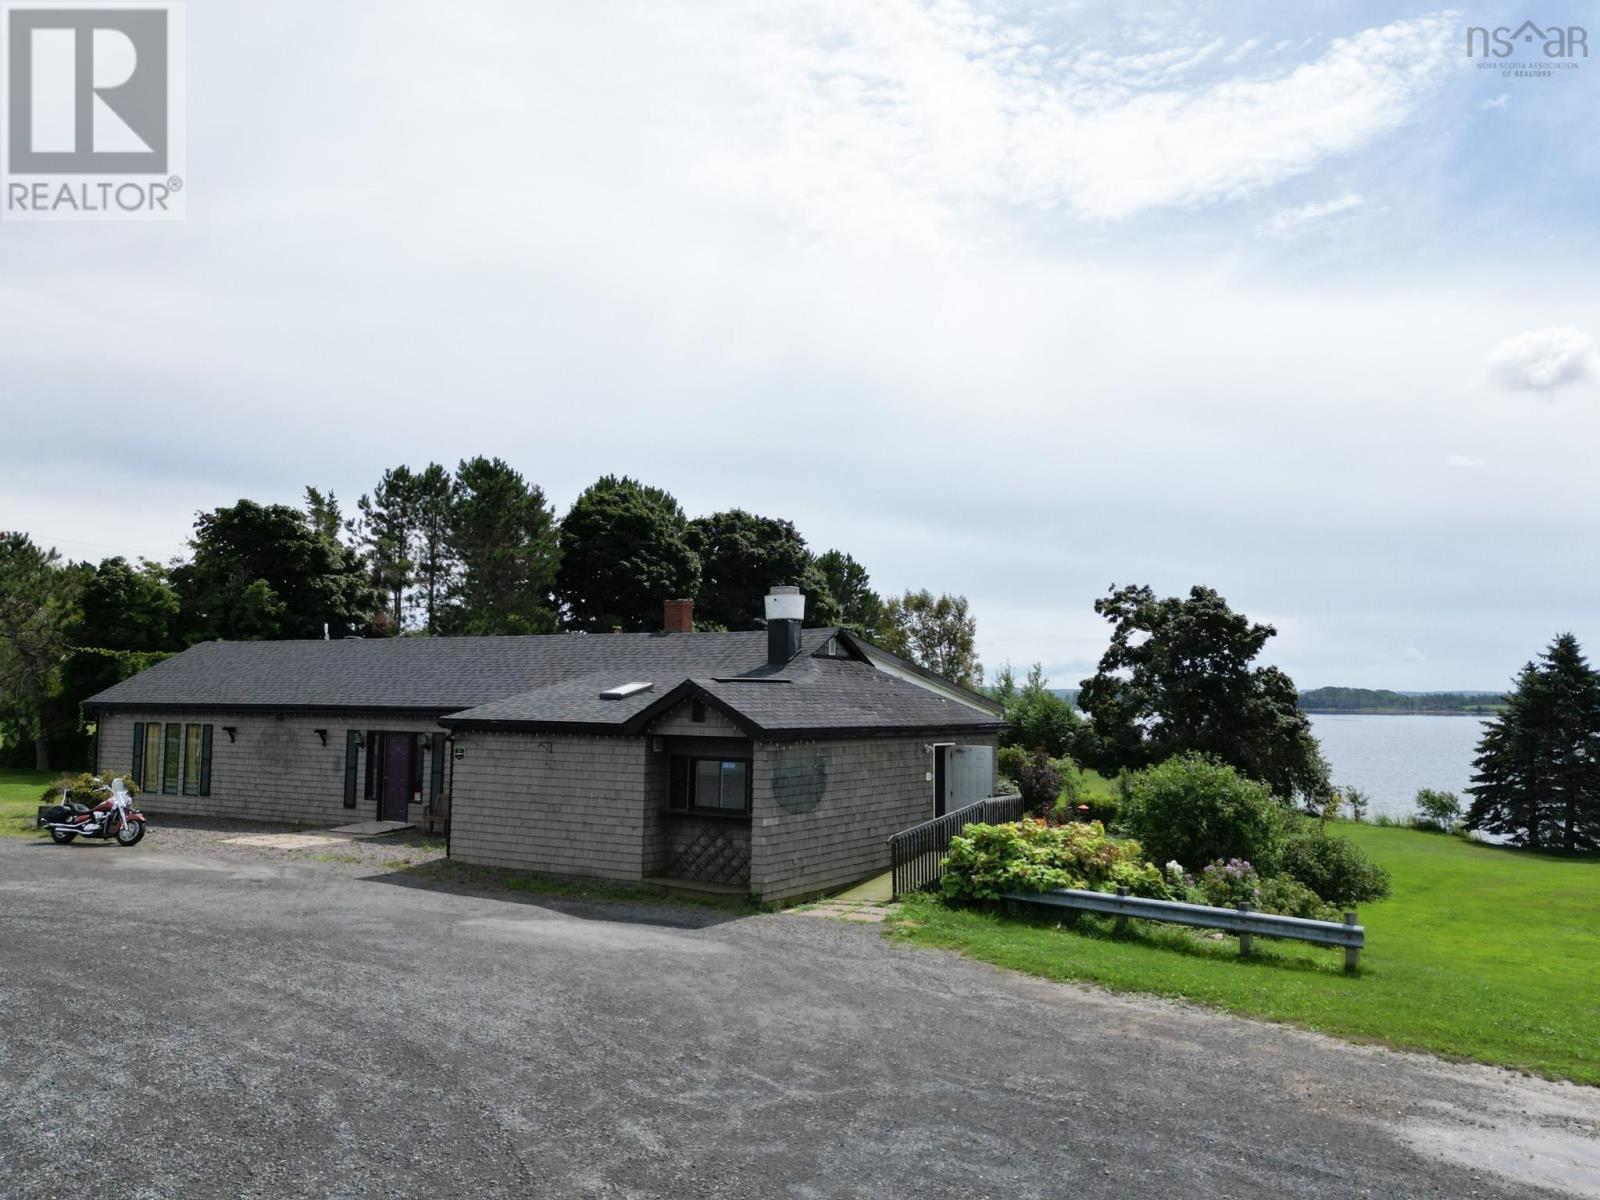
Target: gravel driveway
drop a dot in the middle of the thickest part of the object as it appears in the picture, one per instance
(188, 1019)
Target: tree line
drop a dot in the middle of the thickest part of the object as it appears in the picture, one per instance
(427, 552)
(1381, 700)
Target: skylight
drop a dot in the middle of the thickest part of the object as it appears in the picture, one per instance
(623, 690)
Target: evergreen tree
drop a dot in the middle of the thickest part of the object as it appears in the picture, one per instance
(1537, 780)
(860, 609)
(436, 562)
(502, 549)
(388, 533)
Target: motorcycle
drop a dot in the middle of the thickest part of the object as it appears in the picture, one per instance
(114, 816)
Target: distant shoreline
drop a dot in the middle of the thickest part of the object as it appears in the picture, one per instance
(1403, 712)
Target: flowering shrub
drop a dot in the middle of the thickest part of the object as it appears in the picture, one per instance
(985, 861)
(1226, 884)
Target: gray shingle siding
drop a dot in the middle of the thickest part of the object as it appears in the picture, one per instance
(274, 770)
(823, 811)
(563, 804)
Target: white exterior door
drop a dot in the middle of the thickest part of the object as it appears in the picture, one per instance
(968, 776)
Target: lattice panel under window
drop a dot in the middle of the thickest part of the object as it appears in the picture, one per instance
(710, 855)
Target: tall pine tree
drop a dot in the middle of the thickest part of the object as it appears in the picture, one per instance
(1537, 780)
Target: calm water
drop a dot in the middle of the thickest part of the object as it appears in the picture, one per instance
(1389, 758)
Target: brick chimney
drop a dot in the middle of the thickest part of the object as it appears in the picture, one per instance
(678, 616)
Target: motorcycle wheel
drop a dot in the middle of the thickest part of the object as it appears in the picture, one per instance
(61, 837)
(130, 833)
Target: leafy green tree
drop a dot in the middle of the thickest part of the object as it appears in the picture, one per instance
(1038, 719)
(502, 546)
(624, 550)
(37, 604)
(1537, 771)
(741, 556)
(859, 608)
(1178, 678)
(387, 530)
(1438, 810)
(261, 571)
(938, 633)
(126, 607)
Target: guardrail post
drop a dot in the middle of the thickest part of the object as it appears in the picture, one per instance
(1122, 922)
(1352, 954)
(1245, 939)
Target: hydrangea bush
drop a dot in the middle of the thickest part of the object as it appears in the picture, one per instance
(986, 861)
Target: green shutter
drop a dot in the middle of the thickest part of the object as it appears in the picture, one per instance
(436, 775)
(138, 755)
(205, 760)
(352, 754)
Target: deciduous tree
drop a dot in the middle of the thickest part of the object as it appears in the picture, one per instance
(935, 632)
(1179, 678)
(36, 611)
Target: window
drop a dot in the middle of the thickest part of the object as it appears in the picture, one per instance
(171, 760)
(152, 758)
(191, 760)
(711, 784)
(697, 710)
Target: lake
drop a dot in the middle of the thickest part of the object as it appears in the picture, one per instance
(1390, 757)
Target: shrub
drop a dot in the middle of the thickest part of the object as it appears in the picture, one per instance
(1040, 783)
(86, 788)
(1356, 801)
(1194, 809)
(1438, 811)
(1332, 867)
(986, 861)
(1010, 760)
(1291, 898)
(1225, 884)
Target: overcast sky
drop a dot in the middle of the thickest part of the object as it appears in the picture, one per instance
(1013, 301)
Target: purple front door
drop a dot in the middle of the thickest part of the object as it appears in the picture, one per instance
(395, 799)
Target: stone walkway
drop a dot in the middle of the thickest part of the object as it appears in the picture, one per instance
(863, 911)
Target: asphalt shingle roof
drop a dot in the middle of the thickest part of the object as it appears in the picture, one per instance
(554, 679)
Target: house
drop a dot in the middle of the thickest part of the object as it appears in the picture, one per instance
(777, 761)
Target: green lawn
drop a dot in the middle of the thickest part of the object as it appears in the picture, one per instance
(1480, 953)
(19, 799)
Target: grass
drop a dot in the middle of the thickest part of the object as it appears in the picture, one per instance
(1481, 953)
(19, 800)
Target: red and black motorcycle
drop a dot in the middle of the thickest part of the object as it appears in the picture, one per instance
(115, 816)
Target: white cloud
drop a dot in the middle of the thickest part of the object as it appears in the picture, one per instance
(892, 116)
(1290, 220)
(1413, 655)
(1542, 360)
(1503, 100)
(1465, 462)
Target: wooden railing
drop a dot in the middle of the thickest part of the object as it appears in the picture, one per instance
(916, 855)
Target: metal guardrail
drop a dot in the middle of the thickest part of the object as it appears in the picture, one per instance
(1243, 920)
(916, 855)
